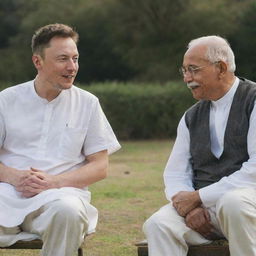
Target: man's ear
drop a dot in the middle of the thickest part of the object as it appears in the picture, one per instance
(37, 60)
(223, 67)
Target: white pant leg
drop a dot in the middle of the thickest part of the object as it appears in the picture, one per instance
(168, 235)
(236, 212)
(62, 225)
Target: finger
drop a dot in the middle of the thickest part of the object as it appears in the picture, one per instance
(206, 229)
(181, 211)
(191, 225)
(31, 190)
(175, 205)
(37, 172)
(41, 176)
(207, 215)
(38, 178)
(34, 169)
(33, 185)
(36, 183)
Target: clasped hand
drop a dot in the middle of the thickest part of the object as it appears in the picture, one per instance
(188, 205)
(199, 220)
(32, 182)
(185, 201)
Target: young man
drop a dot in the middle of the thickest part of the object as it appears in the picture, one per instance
(210, 177)
(55, 141)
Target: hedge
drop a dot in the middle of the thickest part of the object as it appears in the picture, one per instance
(141, 111)
(138, 111)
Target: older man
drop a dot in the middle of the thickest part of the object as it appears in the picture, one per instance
(210, 177)
(55, 141)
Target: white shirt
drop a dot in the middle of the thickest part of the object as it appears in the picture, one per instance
(178, 172)
(54, 137)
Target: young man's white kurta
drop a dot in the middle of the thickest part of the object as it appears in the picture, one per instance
(54, 137)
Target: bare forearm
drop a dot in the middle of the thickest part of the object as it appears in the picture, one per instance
(84, 176)
(93, 171)
(20, 179)
(32, 182)
(7, 174)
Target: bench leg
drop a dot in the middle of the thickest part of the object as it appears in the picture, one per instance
(80, 252)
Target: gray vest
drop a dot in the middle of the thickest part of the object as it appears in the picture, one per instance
(206, 167)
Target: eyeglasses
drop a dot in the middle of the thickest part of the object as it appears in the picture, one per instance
(192, 70)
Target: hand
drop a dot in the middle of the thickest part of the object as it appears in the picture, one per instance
(19, 177)
(185, 201)
(199, 220)
(36, 182)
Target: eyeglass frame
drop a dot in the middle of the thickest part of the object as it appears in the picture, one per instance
(192, 71)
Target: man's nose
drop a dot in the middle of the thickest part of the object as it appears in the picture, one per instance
(187, 77)
(72, 65)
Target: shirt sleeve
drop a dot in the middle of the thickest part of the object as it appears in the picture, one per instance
(243, 178)
(100, 135)
(178, 171)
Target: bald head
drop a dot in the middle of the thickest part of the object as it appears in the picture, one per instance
(217, 49)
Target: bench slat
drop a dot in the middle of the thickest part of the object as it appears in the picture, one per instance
(34, 244)
(218, 247)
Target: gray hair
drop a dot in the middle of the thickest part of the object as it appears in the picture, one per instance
(218, 49)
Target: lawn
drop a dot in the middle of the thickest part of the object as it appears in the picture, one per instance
(130, 194)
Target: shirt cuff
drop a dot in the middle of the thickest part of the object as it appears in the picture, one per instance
(210, 194)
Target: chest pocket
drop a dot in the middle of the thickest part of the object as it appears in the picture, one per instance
(71, 143)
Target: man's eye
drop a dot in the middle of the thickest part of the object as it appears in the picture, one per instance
(192, 69)
(62, 59)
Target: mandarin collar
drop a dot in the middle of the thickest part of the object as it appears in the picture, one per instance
(43, 100)
(228, 97)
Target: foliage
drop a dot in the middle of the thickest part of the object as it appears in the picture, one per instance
(9, 20)
(140, 111)
(150, 37)
(142, 40)
(99, 60)
(244, 41)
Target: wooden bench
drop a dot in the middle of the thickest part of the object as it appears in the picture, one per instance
(216, 248)
(34, 244)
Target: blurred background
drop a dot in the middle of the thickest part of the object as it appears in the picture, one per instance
(130, 51)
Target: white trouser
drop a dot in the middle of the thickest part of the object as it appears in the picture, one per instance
(61, 224)
(235, 217)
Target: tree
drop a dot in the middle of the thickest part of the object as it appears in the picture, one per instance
(125, 39)
(152, 34)
(9, 20)
(243, 41)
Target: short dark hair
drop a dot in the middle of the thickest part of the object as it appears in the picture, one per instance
(43, 35)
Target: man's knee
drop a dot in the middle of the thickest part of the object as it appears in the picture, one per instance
(151, 224)
(70, 209)
(161, 220)
(235, 202)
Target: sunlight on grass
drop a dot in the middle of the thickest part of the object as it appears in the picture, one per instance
(132, 192)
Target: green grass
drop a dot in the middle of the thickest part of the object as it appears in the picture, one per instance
(131, 193)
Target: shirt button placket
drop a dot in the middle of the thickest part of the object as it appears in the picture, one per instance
(45, 128)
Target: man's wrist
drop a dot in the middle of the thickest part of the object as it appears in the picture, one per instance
(196, 197)
(7, 174)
